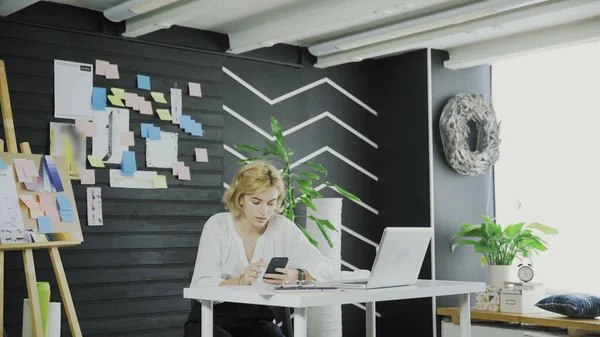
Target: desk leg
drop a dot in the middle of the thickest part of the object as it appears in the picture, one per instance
(300, 328)
(371, 323)
(207, 318)
(465, 315)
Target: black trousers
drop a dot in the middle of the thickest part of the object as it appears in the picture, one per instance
(233, 320)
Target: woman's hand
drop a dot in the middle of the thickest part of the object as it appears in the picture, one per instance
(288, 275)
(251, 273)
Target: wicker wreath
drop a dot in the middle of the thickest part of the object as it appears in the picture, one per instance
(454, 129)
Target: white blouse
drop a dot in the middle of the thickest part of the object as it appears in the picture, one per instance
(221, 253)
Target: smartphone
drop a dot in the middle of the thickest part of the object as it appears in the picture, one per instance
(276, 262)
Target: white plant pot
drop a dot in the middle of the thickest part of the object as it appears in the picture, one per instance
(326, 321)
(500, 274)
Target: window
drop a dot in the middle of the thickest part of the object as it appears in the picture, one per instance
(549, 167)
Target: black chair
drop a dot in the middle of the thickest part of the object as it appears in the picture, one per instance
(282, 315)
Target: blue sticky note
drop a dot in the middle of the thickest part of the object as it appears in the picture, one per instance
(98, 107)
(145, 127)
(127, 174)
(99, 97)
(143, 82)
(154, 133)
(128, 164)
(44, 224)
(66, 216)
(2, 165)
(184, 120)
(64, 204)
(190, 126)
(197, 130)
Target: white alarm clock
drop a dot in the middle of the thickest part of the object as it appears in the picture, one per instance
(525, 272)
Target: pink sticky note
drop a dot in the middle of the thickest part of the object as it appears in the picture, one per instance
(127, 138)
(29, 200)
(201, 155)
(101, 67)
(85, 127)
(132, 101)
(146, 108)
(30, 169)
(195, 89)
(112, 72)
(184, 173)
(47, 205)
(176, 166)
(88, 177)
(20, 169)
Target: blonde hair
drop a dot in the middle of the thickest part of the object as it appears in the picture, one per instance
(251, 179)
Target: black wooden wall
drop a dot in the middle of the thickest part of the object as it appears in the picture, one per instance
(127, 277)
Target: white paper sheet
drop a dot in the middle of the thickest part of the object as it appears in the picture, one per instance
(162, 153)
(109, 125)
(54, 313)
(176, 105)
(140, 179)
(10, 210)
(73, 83)
(94, 206)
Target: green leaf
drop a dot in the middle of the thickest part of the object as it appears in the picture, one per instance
(249, 148)
(513, 230)
(305, 183)
(308, 202)
(310, 191)
(278, 133)
(462, 243)
(487, 219)
(482, 248)
(313, 241)
(536, 244)
(543, 228)
(324, 232)
(483, 260)
(323, 222)
(310, 175)
(273, 149)
(290, 152)
(316, 167)
(344, 192)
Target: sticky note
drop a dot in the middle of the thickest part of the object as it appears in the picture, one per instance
(37, 237)
(127, 138)
(112, 72)
(114, 100)
(201, 155)
(128, 163)
(85, 127)
(159, 97)
(95, 161)
(132, 101)
(195, 89)
(101, 67)
(196, 130)
(143, 82)
(154, 133)
(164, 114)
(160, 181)
(99, 97)
(184, 173)
(144, 128)
(2, 165)
(48, 207)
(176, 166)
(19, 165)
(146, 107)
(63, 202)
(30, 169)
(184, 121)
(88, 177)
(118, 92)
(44, 224)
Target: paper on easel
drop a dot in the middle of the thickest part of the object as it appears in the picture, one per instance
(73, 83)
(94, 206)
(10, 210)
(176, 105)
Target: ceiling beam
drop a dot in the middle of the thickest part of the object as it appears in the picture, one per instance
(508, 23)
(7, 7)
(167, 16)
(290, 23)
(532, 42)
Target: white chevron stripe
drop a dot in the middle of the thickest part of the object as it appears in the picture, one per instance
(360, 237)
(354, 268)
(300, 126)
(298, 91)
(337, 154)
(318, 188)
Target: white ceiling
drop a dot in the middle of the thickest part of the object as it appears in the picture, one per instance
(253, 24)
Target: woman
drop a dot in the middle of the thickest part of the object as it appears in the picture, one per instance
(236, 246)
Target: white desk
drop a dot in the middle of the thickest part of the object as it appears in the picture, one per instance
(300, 302)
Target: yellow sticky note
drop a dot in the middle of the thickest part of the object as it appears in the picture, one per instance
(160, 181)
(159, 97)
(95, 161)
(164, 114)
(37, 237)
(119, 93)
(114, 100)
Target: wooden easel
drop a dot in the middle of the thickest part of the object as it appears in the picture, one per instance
(27, 248)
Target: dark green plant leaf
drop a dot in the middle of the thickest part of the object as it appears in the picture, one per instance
(343, 192)
(462, 243)
(324, 232)
(310, 191)
(316, 167)
(323, 222)
(308, 202)
(273, 149)
(513, 230)
(543, 228)
(304, 183)
(313, 241)
(310, 175)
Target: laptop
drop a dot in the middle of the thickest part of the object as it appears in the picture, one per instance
(398, 260)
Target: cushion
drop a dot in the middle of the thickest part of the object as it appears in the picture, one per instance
(572, 305)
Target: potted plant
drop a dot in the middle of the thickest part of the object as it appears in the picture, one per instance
(499, 247)
(296, 181)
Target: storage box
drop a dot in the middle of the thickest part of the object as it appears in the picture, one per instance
(521, 302)
(488, 300)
